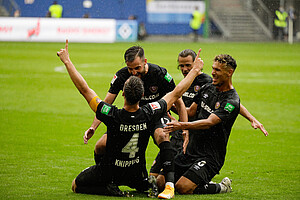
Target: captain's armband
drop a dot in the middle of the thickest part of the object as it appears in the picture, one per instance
(94, 103)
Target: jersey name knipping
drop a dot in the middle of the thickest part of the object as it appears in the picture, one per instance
(134, 127)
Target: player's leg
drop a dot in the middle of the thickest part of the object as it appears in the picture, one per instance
(94, 180)
(156, 166)
(100, 148)
(167, 159)
(196, 180)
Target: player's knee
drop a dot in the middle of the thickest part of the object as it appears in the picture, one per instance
(161, 136)
(182, 189)
(74, 186)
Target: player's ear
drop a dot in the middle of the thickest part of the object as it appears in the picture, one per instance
(230, 72)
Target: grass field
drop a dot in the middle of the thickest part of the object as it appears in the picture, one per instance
(43, 117)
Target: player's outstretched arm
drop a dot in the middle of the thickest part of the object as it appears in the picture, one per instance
(194, 125)
(76, 77)
(171, 97)
(254, 122)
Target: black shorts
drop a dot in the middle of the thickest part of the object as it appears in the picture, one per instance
(98, 175)
(176, 143)
(198, 172)
(162, 122)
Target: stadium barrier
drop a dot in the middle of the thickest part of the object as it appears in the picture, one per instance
(75, 29)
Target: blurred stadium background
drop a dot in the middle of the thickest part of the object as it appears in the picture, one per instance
(233, 20)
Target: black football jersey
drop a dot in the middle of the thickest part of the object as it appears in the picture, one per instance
(211, 143)
(128, 132)
(199, 81)
(157, 83)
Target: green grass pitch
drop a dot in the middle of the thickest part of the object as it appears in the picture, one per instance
(43, 116)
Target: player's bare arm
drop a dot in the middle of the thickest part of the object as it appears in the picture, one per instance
(254, 122)
(183, 117)
(77, 79)
(110, 98)
(212, 120)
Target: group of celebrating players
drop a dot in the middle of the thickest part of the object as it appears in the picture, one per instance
(189, 159)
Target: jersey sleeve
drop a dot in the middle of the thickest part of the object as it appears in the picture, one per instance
(168, 81)
(228, 109)
(155, 110)
(104, 112)
(117, 83)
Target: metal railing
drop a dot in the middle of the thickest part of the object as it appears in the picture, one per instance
(261, 10)
(10, 5)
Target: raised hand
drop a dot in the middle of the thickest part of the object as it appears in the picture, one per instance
(198, 63)
(63, 54)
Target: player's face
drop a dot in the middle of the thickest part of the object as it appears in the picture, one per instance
(137, 67)
(219, 73)
(185, 64)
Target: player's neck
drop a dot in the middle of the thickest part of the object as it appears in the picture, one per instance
(225, 87)
(131, 108)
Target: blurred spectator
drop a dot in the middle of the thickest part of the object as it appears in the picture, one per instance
(55, 10)
(86, 15)
(142, 33)
(280, 22)
(195, 22)
(17, 13)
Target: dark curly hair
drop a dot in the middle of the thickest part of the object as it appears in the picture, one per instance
(227, 59)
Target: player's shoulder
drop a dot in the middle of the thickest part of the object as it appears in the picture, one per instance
(153, 68)
(151, 108)
(122, 71)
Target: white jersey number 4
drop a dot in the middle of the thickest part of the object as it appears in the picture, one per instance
(131, 147)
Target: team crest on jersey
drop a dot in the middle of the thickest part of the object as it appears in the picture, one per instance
(153, 89)
(155, 105)
(217, 105)
(197, 88)
(114, 78)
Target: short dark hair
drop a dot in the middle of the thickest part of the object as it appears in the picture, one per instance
(133, 52)
(133, 90)
(227, 59)
(186, 53)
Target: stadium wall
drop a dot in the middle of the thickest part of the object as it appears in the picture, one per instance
(161, 20)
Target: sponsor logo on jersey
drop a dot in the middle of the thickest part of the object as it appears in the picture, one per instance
(150, 97)
(217, 105)
(168, 77)
(229, 107)
(105, 109)
(114, 78)
(133, 127)
(126, 163)
(155, 105)
(206, 107)
(153, 89)
(189, 95)
(205, 96)
(196, 88)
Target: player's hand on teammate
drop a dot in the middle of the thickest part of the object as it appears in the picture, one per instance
(63, 54)
(256, 124)
(198, 63)
(172, 126)
(88, 134)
